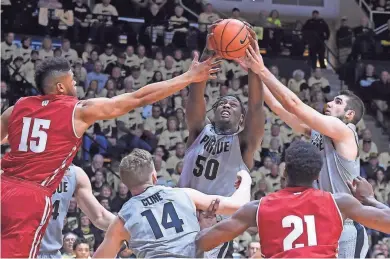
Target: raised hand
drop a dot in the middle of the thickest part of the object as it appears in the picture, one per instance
(361, 189)
(202, 71)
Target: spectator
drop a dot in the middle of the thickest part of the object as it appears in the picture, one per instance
(135, 137)
(90, 64)
(25, 50)
(344, 40)
(316, 32)
(207, 17)
(318, 82)
(176, 174)
(148, 71)
(177, 29)
(171, 136)
(161, 172)
(97, 75)
(274, 20)
(87, 231)
(364, 44)
(384, 159)
(236, 14)
(158, 62)
(382, 188)
(47, 49)
(67, 246)
(80, 27)
(154, 22)
(294, 84)
(179, 62)
(138, 80)
(369, 77)
(381, 96)
(372, 166)
(131, 59)
(297, 40)
(108, 56)
(261, 21)
(367, 136)
(105, 8)
(273, 179)
(97, 164)
(318, 102)
(120, 62)
(381, 6)
(168, 69)
(177, 157)
(57, 52)
(156, 124)
(252, 249)
(80, 72)
(105, 191)
(141, 54)
(98, 181)
(120, 199)
(68, 53)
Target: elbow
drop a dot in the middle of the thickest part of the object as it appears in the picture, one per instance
(201, 245)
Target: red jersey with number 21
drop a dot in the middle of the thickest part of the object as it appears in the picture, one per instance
(42, 139)
(299, 222)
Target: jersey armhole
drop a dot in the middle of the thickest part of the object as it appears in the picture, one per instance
(257, 215)
(338, 211)
(73, 119)
(356, 139)
(195, 141)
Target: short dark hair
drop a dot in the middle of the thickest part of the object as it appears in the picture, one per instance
(303, 163)
(78, 242)
(215, 105)
(355, 104)
(48, 68)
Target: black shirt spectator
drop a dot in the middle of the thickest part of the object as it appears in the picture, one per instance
(381, 88)
(122, 196)
(80, 10)
(344, 35)
(125, 70)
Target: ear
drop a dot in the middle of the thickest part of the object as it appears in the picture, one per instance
(349, 115)
(242, 119)
(154, 177)
(60, 88)
(284, 174)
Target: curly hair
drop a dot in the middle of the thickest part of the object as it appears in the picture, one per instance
(50, 67)
(215, 105)
(303, 163)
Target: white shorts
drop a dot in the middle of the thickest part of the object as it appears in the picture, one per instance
(353, 242)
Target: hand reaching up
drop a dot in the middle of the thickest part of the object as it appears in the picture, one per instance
(202, 71)
(361, 189)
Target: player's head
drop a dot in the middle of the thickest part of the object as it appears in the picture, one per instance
(54, 76)
(137, 169)
(347, 107)
(81, 248)
(229, 113)
(303, 164)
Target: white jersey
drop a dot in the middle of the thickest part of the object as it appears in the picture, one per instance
(52, 240)
(211, 163)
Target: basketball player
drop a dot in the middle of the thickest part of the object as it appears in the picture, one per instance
(160, 221)
(300, 221)
(75, 182)
(333, 133)
(216, 151)
(45, 133)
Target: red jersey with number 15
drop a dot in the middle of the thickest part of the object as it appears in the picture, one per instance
(42, 139)
(299, 222)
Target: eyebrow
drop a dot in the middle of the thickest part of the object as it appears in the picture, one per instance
(338, 98)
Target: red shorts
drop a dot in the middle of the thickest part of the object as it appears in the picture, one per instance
(25, 212)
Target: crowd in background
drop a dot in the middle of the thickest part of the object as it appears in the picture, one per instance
(105, 67)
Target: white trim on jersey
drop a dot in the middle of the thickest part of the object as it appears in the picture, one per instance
(73, 113)
(38, 235)
(337, 208)
(257, 215)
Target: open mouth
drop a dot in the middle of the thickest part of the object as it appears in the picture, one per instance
(225, 113)
(327, 112)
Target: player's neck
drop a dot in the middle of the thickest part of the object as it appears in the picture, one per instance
(227, 130)
(293, 185)
(140, 189)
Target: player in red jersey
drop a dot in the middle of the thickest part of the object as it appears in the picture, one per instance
(44, 133)
(300, 221)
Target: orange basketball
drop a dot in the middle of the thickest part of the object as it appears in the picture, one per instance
(231, 39)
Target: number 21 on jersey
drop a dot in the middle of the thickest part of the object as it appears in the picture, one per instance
(298, 227)
(39, 137)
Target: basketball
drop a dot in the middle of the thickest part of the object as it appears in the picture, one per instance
(230, 39)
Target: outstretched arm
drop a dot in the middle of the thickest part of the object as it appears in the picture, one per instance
(4, 124)
(196, 104)
(327, 125)
(88, 204)
(252, 135)
(108, 108)
(113, 239)
(227, 205)
(291, 119)
(228, 229)
(371, 213)
(376, 217)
